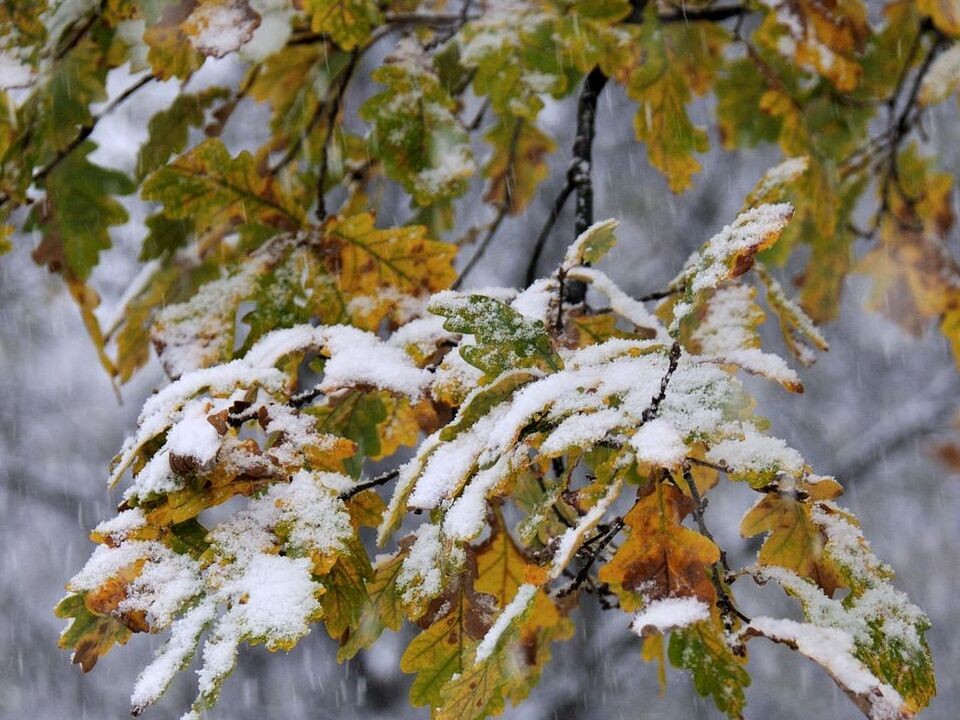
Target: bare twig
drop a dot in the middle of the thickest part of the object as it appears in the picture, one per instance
(653, 408)
(372, 483)
(87, 130)
(503, 207)
(721, 570)
(660, 294)
(544, 233)
(584, 574)
(334, 109)
(492, 229)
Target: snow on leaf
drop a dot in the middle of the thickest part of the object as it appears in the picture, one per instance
(173, 657)
(728, 333)
(591, 245)
(573, 538)
(776, 181)
(756, 458)
(415, 131)
(797, 327)
(220, 27)
(514, 54)
(833, 650)
(657, 442)
(728, 254)
(885, 630)
(822, 36)
(520, 603)
(942, 79)
(662, 616)
(505, 340)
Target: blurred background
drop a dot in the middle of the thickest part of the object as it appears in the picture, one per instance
(876, 408)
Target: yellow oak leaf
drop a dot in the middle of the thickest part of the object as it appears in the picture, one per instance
(445, 647)
(793, 540)
(661, 558)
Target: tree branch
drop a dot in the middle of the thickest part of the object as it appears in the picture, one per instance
(494, 226)
(87, 130)
(593, 85)
(584, 574)
(651, 410)
(372, 483)
(335, 104)
(721, 570)
(544, 233)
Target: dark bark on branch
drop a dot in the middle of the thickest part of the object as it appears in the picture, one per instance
(596, 80)
(653, 408)
(584, 574)
(87, 130)
(721, 570)
(372, 483)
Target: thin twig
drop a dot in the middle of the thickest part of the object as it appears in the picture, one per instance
(660, 294)
(443, 37)
(372, 483)
(80, 34)
(88, 129)
(502, 209)
(721, 569)
(584, 574)
(651, 410)
(335, 106)
(544, 233)
(478, 118)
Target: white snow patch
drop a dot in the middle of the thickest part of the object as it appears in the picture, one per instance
(658, 442)
(660, 616)
(521, 601)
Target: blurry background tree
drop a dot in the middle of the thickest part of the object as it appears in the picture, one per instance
(277, 129)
